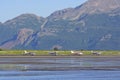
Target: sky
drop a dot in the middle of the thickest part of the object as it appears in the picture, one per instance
(11, 8)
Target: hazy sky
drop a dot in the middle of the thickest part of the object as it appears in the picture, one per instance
(12, 8)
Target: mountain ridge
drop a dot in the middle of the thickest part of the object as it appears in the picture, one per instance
(89, 7)
(92, 25)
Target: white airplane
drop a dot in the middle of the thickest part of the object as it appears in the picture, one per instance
(76, 53)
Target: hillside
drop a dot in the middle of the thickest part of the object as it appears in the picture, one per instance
(92, 25)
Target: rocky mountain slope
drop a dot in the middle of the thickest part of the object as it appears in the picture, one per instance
(92, 25)
(90, 7)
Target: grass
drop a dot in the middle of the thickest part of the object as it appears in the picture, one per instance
(60, 53)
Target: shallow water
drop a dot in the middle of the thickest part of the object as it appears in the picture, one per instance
(60, 68)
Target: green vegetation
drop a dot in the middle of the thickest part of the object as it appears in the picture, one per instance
(60, 53)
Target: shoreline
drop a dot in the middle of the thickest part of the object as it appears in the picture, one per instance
(110, 56)
(59, 54)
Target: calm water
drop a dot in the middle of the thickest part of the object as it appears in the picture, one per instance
(60, 68)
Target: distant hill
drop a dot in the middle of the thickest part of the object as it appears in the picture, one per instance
(92, 25)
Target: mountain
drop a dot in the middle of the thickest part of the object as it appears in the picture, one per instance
(92, 25)
(25, 21)
(19, 29)
(90, 7)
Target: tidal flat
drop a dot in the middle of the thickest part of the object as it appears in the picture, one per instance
(59, 68)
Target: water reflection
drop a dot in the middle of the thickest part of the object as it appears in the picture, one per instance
(54, 64)
(60, 68)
